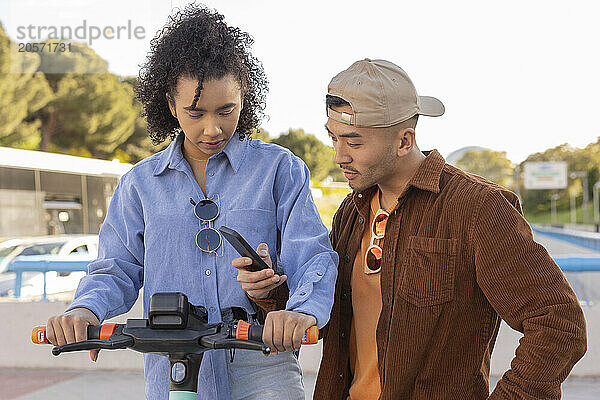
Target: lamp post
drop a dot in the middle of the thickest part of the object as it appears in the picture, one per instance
(596, 206)
(572, 195)
(583, 175)
(553, 207)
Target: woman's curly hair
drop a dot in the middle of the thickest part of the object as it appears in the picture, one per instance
(196, 42)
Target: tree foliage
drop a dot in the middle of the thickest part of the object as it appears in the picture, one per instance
(63, 101)
(317, 156)
(138, 145)
(21, 95)
(490, 164)
(91, 112)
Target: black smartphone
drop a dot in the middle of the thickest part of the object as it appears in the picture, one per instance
(242, 247)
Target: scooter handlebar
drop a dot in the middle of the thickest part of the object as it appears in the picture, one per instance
(101, 332)
(253, 332)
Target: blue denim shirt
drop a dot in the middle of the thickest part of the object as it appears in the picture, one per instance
(148, 239)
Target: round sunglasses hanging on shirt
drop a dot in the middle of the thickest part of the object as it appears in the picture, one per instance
(208, 239)
(374, 252)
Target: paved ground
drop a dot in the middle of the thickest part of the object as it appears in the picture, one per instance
(557, 247)
(585, 284)
(75, 385)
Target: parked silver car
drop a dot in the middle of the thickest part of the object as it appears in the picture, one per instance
(50, 248)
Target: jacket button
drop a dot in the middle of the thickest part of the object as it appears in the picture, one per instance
(343, 335)
(341, 376)
(347, 258)
(360, 195)
(344, 296)
(361, 220)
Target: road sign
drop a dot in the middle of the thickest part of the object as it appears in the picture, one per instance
(545, 175)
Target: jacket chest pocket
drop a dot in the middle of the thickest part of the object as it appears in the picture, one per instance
(428, 271)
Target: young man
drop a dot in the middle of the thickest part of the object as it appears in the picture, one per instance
(431, 260)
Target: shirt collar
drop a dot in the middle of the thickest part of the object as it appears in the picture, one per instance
(429, 172)
(427, 177)
(235, 150)
(172, 155)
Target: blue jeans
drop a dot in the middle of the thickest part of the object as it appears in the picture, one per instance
(253, 376)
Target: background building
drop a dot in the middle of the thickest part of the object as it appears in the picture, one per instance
(46, 194)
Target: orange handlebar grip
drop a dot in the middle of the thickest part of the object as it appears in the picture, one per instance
(38, 335)
(107, 330)
(311, 336)
(243, 329)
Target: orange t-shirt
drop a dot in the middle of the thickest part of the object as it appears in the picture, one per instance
(366, 307)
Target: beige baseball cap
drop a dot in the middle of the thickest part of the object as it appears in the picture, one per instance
(381, 94)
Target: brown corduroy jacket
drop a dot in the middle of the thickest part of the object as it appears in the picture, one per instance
(457, 258)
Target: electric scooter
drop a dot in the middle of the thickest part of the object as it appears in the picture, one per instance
(177, 329)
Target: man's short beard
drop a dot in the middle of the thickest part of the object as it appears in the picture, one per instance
(358, 188)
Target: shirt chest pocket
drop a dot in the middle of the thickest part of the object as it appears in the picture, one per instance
(428, 271)
(255, 225)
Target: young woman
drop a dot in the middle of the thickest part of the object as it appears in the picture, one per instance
(202, 89)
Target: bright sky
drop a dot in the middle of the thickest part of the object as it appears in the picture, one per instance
(515, 76)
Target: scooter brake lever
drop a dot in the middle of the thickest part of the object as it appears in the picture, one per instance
(218, 342)
(119, 342)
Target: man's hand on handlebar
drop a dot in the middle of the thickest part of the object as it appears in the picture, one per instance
(71, 327)
(258, 284)
(283, 330)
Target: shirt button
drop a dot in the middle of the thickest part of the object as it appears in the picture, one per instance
(343, 335)
(361, 220)
(212, 309)
(302, 293)
(341, 376)
(344, 296)
(319, 273)
(207, 272)
(211, 173)
(360, 195)
(347, 258)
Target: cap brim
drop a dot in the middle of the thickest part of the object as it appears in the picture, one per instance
(430, 106)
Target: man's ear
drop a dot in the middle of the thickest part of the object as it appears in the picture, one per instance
(171, 105)
(407, 141)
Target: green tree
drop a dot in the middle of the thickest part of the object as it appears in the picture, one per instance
(317, 156)
(138, 145)
(64, 101)
(21, 94)
(91, 113)
(490, 164)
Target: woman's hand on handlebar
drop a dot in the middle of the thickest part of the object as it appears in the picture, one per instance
(283, 330)
(71, 327)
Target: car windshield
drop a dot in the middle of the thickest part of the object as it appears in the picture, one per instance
(4, 251)
(42, 249)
